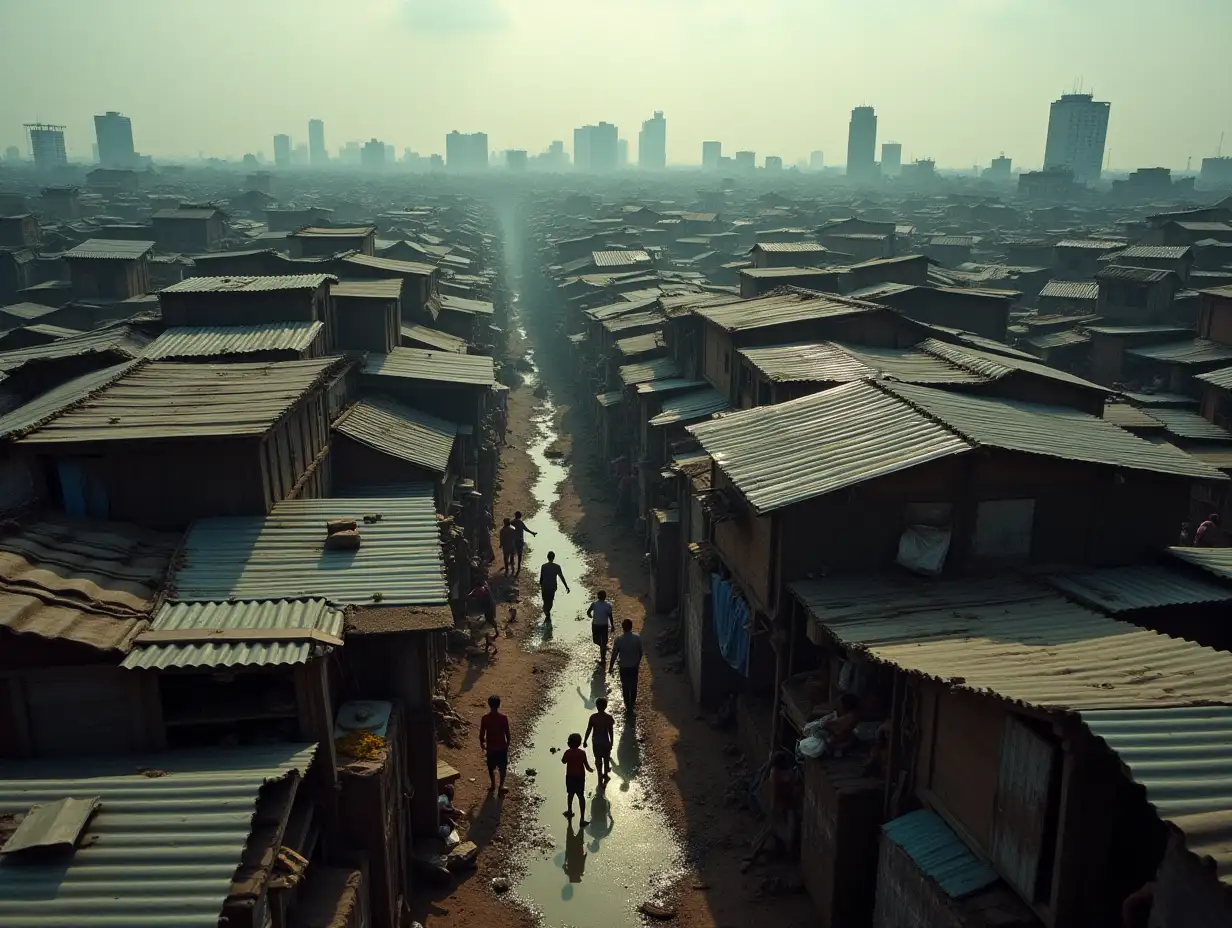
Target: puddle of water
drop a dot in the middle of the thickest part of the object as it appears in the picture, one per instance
(596, 876)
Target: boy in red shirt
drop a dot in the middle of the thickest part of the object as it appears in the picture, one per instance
(576, 764)
(494, 740)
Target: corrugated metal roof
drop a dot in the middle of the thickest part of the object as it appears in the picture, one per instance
(782, 307)
(953, 241)
(1188, 424)
(788, 247)
(91, 583)
(783, 454)
(1051, 431)
(1143, 586)
(400, 431)
(670, 385)
(765, 273)
(831, 361)
(161, 850)
(1160, 252)
(282, 555)
(109, 249)
(367, 289)
(393, 265)
(1016, 641)
(1070, 290)
(611, 398)
(1216, 455)
(621, 308)
(441, 341)
(995, 366)
(939, 853)
(53, 402)
(1217, 561)
(214, 340)
(250, 284)
(460, 304)
(167, 400)
(1181, 757)
(278, 614)
(1137, 329)
(120, 340)
(198, 213)
(1133, 274)
(26, 311)
(643, 371)
(691, 406)
(1130, 417)
(440, 366)
(333, 232)
(1096, 244)
(1058, 339)
(619, 258)
(628, 321)
(641, 344)
(1221, 378)
(1189, 351)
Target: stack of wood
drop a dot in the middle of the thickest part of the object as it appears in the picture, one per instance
(342, 535)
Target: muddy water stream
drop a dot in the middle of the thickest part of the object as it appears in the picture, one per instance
(597, 875)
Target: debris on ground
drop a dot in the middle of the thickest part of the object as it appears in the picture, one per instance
(501, 884)
(654, 910)
(464, 857)
(451, 728)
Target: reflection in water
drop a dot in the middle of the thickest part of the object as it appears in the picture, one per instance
(601, 821)
(628, 755)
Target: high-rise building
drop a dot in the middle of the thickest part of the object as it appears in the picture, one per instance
(774, 163)
(1216, 173)
(652, 143)
(115, 140)
(47, 146)
(746, 160)
(94, 153)
(596, 148)
(12, 154)
(282, 151)
(372, 155)
(817, 161)
(515, 159)
(711, 153)
(862, 144)
(999, 170)
(1077, 130)
(466, 151)
(317, 152)
(622, 153)
(891, 159)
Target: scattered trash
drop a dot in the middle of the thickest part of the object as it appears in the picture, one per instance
(501, 884)
(532, 772)
(660, 912)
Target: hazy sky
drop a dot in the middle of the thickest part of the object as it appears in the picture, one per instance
(956, 80)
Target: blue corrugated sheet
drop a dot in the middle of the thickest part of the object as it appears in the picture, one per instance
(161, 850)
(283, 555)
(279, 614)
(939, 853)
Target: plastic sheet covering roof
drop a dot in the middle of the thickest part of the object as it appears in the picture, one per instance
(939, 853)
(440, 366)
(1124, 589)
(107, 249)
(282, 555)
(50, 404)
(247, 616)
(640, 344)
(1181, 757)
(120, 340)
(160, 850)
(1221, 378)
(1217, 561)
(619, 258)
(783, 454)
(689, 407)
(995, 366)
(400, 431)
(1190, 351)
(169, 400)
(215, 340)
(671, 385)
(1128, 416)
(251, 284)
(778, 308)
(1052, 431)
(434, 338)
(90, 583)
(1185, 423)
(644, 371)
(1017, 641)
(1070, 290)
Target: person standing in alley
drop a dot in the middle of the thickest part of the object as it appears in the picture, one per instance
(494, 742)
(549, 574)
(627, 653)
(576, 764)
(521, 528)
(508, 545)
(600, 612)
(601, 726)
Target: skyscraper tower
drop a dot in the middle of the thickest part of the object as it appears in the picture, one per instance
(317, 152)
(652, 143)
(862, 143)
(891, 159)
(282, 151)
(115, 140)
(1077, 130)
(46, 146)
(711, 153)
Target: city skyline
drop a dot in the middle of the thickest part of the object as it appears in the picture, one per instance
(514, 49)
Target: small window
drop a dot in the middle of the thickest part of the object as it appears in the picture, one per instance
(1003, 529)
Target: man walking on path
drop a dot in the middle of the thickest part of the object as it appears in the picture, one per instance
(627, 652)
(508, 545)
(521, 528)
(600, 612)
(549, 574)
(494, 741)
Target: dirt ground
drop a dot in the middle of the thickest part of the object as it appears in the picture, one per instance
(679, 735)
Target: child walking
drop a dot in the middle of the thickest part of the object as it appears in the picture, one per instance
(600, 726)
(576, 764)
